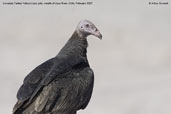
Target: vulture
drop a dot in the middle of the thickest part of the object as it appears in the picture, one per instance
(62, 84)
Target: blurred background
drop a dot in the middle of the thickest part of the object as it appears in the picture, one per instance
(132, 63)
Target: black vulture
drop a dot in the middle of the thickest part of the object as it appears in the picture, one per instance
(62, 84)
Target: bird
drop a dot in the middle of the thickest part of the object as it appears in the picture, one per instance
(62, 84)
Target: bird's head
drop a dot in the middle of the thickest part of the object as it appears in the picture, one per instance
(86, 28)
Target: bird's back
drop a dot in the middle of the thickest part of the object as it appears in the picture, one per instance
(67, 93)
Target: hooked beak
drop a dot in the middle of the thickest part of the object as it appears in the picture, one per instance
(100, 36)
(97, 34)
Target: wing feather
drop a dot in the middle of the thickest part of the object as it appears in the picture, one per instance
(43, 75)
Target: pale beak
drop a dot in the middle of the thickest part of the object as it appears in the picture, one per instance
(100, 36)
(97, 33)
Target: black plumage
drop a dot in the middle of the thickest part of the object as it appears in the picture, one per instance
(61, 85)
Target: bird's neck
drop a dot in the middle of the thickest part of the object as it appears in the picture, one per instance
(81, 41)
(75, 45)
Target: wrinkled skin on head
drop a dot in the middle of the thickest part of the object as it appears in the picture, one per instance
(86, 28)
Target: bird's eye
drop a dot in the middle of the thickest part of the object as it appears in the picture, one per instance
(81, 26)
(87, 25)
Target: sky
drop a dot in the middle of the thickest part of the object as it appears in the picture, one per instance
(131, 63)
